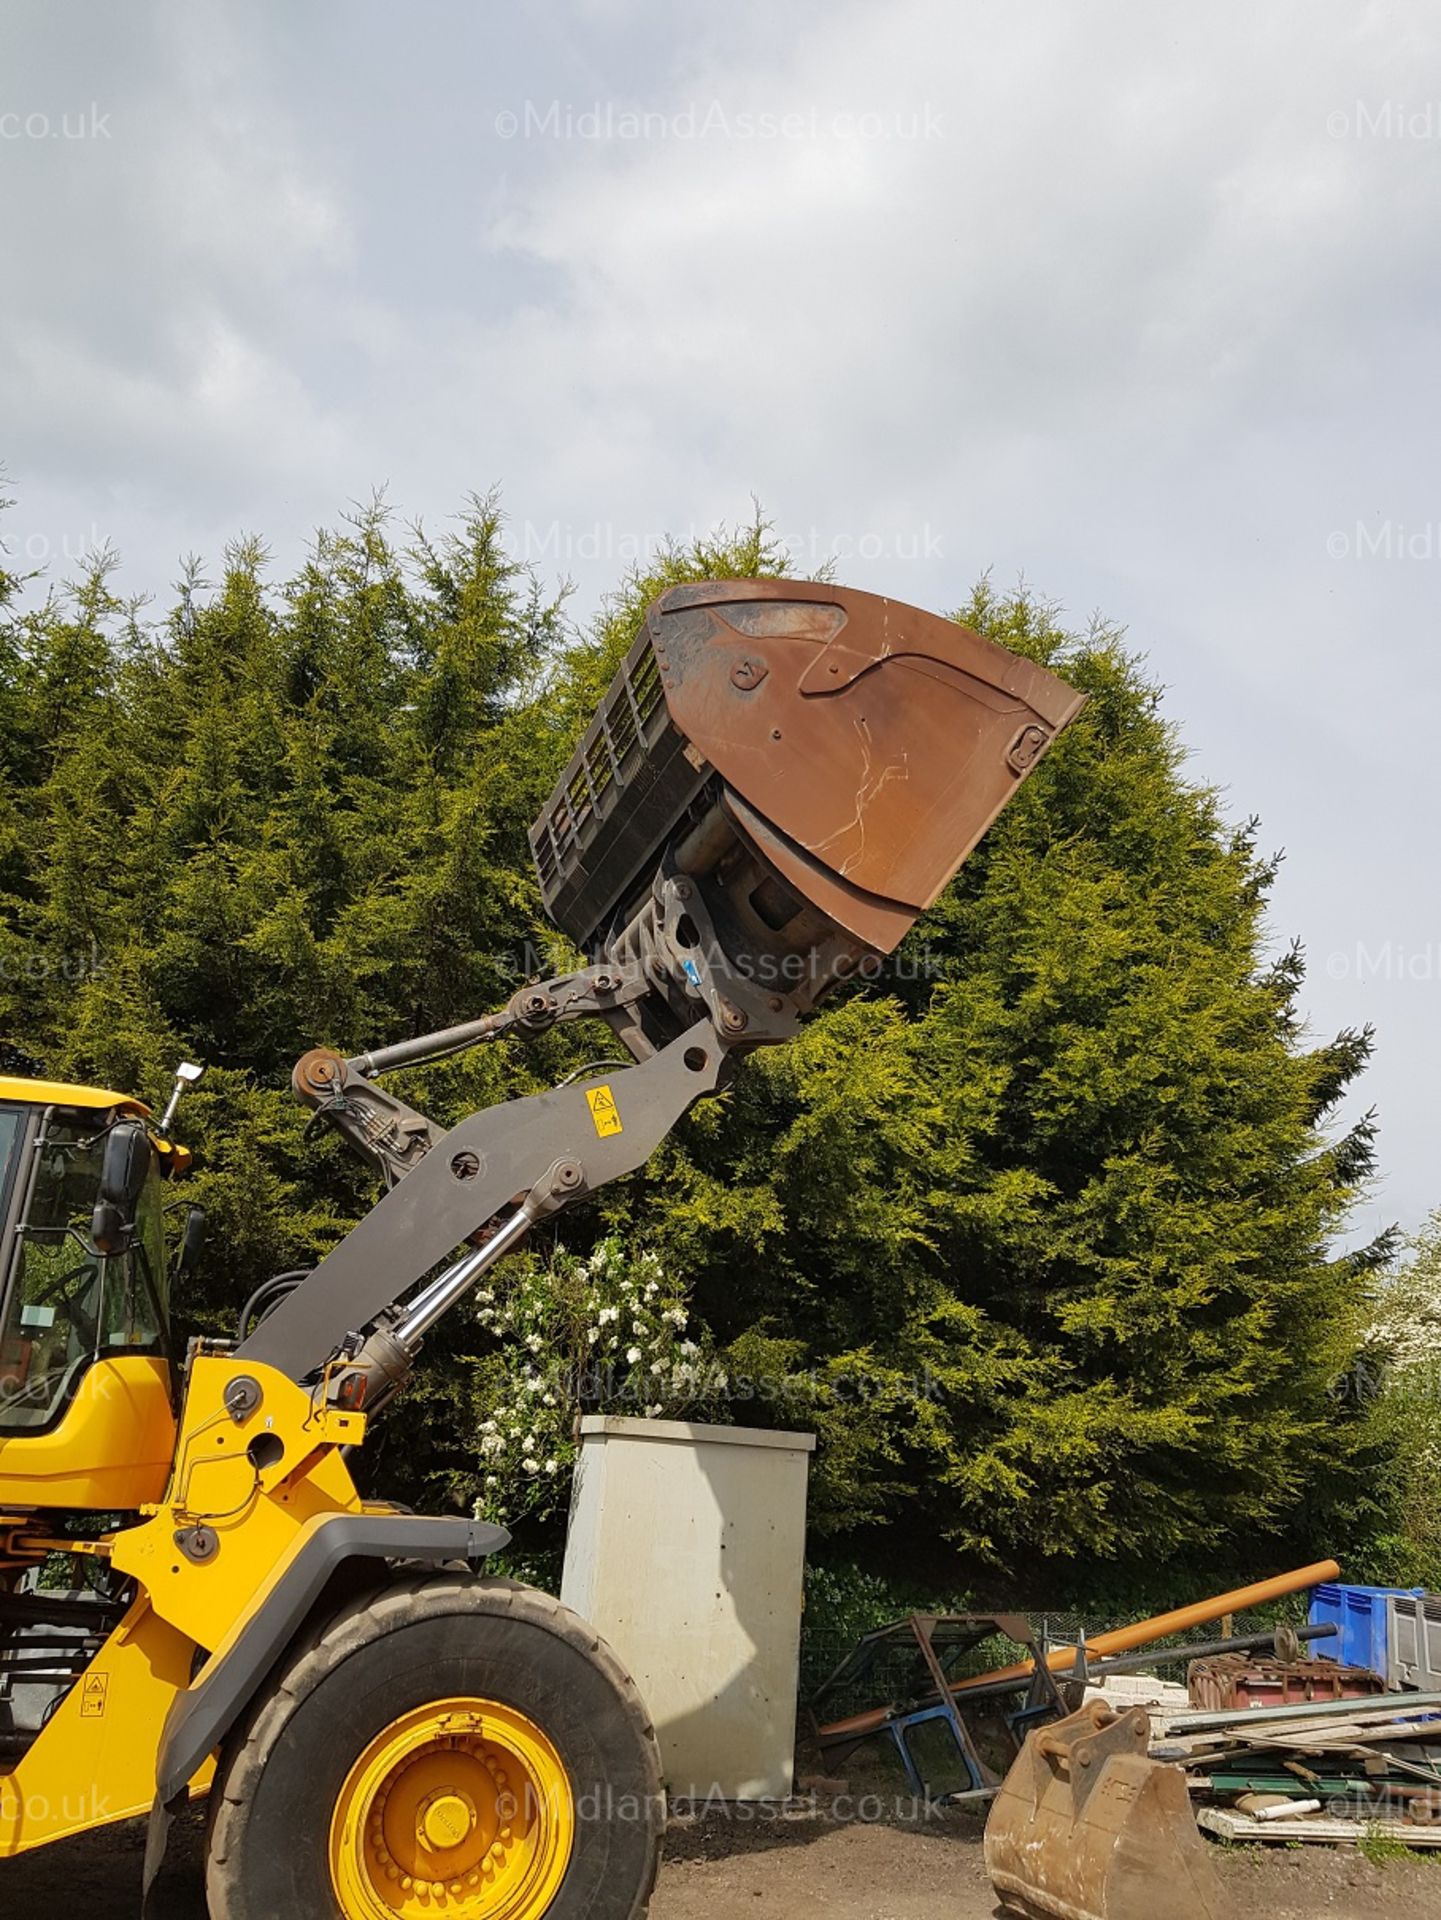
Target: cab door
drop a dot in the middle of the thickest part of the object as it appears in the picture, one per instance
(86, 1419)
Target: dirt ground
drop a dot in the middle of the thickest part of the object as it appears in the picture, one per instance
(877, 1871)
(809, 1868)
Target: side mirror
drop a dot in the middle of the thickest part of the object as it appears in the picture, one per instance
(123, 1171)
(192, 1243)
(107, 1227)
(125, 1166)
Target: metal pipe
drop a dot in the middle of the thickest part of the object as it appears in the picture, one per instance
(1162, 1625)
(447, 1287)
(1371, 1706)
(877, 1717)
(1202, 1650)
(403, 1053)
(1160, 1657)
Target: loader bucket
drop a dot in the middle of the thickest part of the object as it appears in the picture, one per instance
(1087, 1827)
(856, 748)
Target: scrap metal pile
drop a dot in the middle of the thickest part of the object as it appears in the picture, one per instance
(1325, 1770)
(1323, 1750)
(928, 1687)
(1103, 1808)
(1101, 1784)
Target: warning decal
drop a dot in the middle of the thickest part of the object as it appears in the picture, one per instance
(93, 1689)
(603, 1111)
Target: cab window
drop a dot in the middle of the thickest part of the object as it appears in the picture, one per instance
(68, 1306)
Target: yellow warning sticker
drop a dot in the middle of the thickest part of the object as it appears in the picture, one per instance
(604, 1112)
(93, 1689)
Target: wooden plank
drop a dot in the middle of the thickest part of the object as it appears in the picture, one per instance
(1289, 1732)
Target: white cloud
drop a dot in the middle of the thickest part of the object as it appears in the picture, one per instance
(1150, 318)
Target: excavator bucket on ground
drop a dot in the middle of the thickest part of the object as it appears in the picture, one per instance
(1087, 1826)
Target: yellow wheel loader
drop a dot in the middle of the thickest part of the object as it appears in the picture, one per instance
(780, 778)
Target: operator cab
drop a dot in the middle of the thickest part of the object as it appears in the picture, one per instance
(66, 1302)
(86, 1416)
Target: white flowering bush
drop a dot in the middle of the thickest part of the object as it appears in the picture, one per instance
(1402, 1381)
(1406, 1318)
(605, 1334)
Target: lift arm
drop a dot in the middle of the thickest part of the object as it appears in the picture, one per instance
(781, 777)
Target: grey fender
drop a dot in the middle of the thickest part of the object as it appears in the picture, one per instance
(200, 1718)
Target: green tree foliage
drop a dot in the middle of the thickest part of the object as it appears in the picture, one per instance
(1036, 1227)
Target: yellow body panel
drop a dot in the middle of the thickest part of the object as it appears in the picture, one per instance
(95, 1760)
(257, 1514)
(253, 1486)
(112, 1450)
(60, 1093)
(175, 1160)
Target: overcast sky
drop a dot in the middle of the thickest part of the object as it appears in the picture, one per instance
(1136, 300)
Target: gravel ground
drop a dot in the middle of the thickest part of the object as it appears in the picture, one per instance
(811, 1868)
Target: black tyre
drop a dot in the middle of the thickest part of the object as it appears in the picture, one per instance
(450, 1747)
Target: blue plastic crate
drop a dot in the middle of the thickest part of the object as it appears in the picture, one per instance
(1360, 1615)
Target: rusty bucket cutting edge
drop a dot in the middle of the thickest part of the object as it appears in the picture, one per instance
(1087, 1827)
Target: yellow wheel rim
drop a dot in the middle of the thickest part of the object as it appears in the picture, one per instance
(460, 1809)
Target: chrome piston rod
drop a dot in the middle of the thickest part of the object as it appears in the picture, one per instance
(446, 1288)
